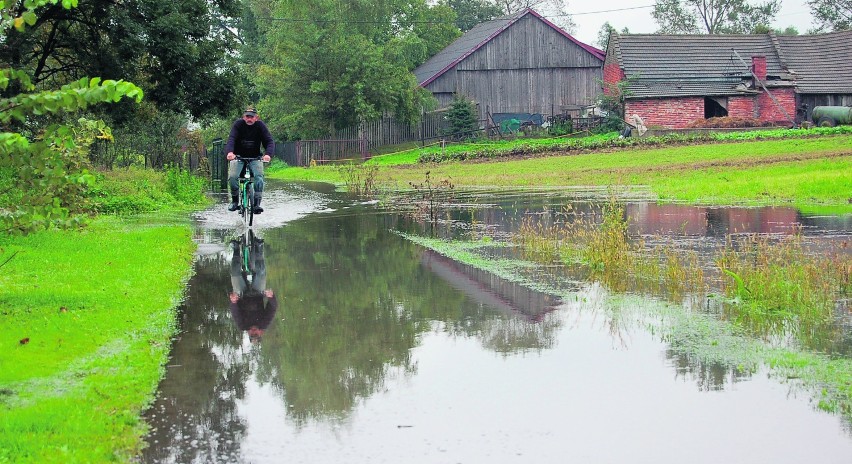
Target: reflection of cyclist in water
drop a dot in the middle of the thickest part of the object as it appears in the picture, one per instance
(252, 304)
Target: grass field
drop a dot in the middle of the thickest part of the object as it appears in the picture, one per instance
(86, 326)
(805, 172)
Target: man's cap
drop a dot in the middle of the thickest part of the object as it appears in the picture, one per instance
(250, 111)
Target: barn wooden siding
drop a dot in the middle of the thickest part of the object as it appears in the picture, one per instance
(528, 68)
(825, 100)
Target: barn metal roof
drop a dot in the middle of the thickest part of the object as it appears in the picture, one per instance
(477, 37)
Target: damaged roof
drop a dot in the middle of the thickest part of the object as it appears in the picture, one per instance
(822, 62)
(720, 65)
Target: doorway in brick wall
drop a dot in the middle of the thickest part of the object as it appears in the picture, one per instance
(715, 107)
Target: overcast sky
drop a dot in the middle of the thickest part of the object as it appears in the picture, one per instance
(639, 20)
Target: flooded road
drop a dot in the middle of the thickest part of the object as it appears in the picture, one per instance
(367, 348)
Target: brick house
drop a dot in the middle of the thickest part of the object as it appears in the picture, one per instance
(673, 80)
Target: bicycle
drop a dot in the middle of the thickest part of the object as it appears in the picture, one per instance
(246, 191)
(247, 243)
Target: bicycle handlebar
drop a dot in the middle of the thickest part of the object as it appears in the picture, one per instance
(257, 158)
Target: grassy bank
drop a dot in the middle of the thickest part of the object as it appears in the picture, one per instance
(87, 318)
(806, 172)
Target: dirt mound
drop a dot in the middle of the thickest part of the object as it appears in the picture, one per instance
(729, 122)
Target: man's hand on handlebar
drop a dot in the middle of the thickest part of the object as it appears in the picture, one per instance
(231, 156)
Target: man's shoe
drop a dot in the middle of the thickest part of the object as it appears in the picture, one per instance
(257, 210)
(234, 206)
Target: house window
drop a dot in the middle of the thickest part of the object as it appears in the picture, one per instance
(715, 107)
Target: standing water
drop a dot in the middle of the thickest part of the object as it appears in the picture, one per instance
(367, 348)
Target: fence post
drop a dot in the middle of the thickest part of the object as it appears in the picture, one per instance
(422, 127)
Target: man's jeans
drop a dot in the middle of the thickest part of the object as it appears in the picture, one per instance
(234, 169)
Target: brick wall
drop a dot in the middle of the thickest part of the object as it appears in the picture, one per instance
(671, 113)
(742, 107)
(677, 113)
(769, 110)
(612, 74)
(758, 67)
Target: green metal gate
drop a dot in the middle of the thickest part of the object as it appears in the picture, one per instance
(218, 165)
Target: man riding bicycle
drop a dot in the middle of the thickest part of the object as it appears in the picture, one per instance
(247, 135)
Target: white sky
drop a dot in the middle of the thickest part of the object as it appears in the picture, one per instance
(793, 13)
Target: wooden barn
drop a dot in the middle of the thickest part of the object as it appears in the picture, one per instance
(521, 63)
(674, 80)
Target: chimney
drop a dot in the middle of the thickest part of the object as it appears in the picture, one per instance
(758, 67)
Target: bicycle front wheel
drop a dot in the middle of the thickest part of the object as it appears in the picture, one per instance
(249, 206)
(245, 202)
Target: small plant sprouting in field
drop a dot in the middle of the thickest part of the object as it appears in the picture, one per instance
(432, 195)
(360, 179)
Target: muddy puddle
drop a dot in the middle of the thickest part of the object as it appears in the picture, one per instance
(351, 344)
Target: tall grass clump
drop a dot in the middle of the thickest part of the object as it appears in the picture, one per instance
(776, 283)
(602, 245)
(608, 248)
(540, 241)
(137, 190)
(360, 179)
(185, 186)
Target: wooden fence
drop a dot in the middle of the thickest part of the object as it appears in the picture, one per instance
(389, 131)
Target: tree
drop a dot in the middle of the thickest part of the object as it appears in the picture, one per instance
(462, 119)
(789, 30)
(46, 164)
(604, 32)
(712, 16)
(555, 9)
(181, 53)
(833, 15)
(469, 13)
(335, 65)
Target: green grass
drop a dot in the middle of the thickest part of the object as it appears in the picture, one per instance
(136, 190)
(86, 319)
(810, 172)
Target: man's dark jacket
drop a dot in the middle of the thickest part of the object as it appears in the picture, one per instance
(245, 140)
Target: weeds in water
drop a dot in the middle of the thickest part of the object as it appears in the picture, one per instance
(432, 194)
(773, 286)
(540, 242)
(776, 282)
(360, 179)
(602, 244)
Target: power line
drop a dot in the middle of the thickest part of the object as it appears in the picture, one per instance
(606, 11)
(348, 21)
